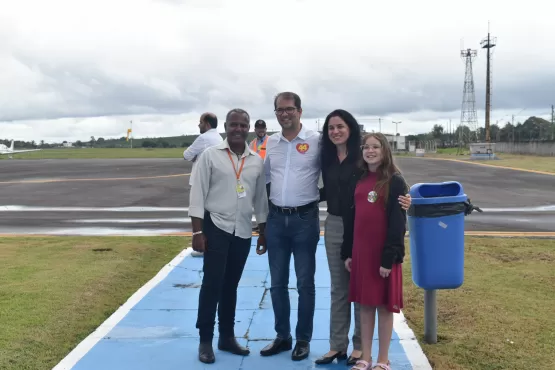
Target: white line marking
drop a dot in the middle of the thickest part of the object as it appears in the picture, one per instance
(88, 343)
(20, 208)
(106, 231)
(416, 356)
(131, 220)
(17, 208)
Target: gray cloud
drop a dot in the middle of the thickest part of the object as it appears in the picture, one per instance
(176, 58)
(72, 90)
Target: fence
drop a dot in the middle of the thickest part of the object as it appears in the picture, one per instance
(533, 148)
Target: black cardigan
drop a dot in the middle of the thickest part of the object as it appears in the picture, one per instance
(394, 249)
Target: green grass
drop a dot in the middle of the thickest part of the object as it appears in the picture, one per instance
(55, 291)
(517, 161)
(105, 153)
(502, 316)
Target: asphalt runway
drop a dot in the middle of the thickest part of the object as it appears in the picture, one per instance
(151, 196)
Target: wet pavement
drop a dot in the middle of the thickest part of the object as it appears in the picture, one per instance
(151, 196)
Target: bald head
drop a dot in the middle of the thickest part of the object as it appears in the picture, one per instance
(207, 121)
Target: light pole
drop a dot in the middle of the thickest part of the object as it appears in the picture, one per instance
(396, 126)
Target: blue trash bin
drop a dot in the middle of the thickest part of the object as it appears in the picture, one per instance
(436, 229)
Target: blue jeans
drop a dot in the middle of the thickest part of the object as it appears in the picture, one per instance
(298, 234)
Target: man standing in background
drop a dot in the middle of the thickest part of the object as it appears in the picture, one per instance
(258, 145)
(208, 137)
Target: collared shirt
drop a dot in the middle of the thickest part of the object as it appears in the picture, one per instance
(293, 168)
(201, 143)
(214, 189)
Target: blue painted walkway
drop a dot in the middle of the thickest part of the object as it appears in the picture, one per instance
(158, 332)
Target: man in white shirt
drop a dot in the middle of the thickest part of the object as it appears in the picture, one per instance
(228, 186)
(292, 168)
(208, 137)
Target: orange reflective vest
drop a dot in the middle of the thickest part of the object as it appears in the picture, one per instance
(260, 149)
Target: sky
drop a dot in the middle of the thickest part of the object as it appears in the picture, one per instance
(70, 70)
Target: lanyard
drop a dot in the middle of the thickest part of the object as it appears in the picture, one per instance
(238, 174)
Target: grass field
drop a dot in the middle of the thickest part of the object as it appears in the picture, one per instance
(55, 291)
(502, 317)
(529, 162)
(92, 153)
(545, 164)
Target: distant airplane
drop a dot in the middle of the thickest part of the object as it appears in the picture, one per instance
(9, 151)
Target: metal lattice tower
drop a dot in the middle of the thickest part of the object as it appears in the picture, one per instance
(469, 117)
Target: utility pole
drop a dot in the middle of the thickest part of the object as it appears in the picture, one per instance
(552, 122)
(131, 134)
(396, 124)
(513, 123)
(380, 122)
(488, 43)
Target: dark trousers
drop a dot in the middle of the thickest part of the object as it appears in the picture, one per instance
(224, 261)
(294, 234)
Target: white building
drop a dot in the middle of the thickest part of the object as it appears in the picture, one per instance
(397, 142)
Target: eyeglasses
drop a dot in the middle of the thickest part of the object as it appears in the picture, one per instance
(287, 110)
(368, 147)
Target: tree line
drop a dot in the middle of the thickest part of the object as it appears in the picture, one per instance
(533, 129)
(182, 141)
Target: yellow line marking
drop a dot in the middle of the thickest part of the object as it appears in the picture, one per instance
(93, 179)
(488, 165)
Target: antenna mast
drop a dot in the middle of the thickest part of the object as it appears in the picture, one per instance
(488, 43)
(469, 117)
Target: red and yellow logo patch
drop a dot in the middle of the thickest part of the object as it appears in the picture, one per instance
(302, 148)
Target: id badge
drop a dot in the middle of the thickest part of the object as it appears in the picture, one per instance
(240, 191)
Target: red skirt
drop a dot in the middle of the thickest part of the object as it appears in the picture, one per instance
(395, 289)
(376, 291)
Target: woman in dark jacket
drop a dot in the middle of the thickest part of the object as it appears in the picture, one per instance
(340, 152)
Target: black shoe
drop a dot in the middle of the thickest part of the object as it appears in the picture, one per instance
(352, 360)
(277, 346)
(206, 353)
(301, 350)
(324, 360)
(230, 344)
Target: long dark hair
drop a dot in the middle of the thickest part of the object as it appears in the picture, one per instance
(328, 153)
(387, 168)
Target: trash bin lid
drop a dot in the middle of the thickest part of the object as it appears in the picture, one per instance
(439, 192)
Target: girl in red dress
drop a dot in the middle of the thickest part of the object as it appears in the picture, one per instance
(378, 247)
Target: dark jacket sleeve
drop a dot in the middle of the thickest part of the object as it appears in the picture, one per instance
(322, 194)
(349, 218)
(348, 231)
(394, 249)
(322, 190)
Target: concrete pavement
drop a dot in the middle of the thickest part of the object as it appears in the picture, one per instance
(155, 329)
(151, 196)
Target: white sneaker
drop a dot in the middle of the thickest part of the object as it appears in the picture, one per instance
(197, 254)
